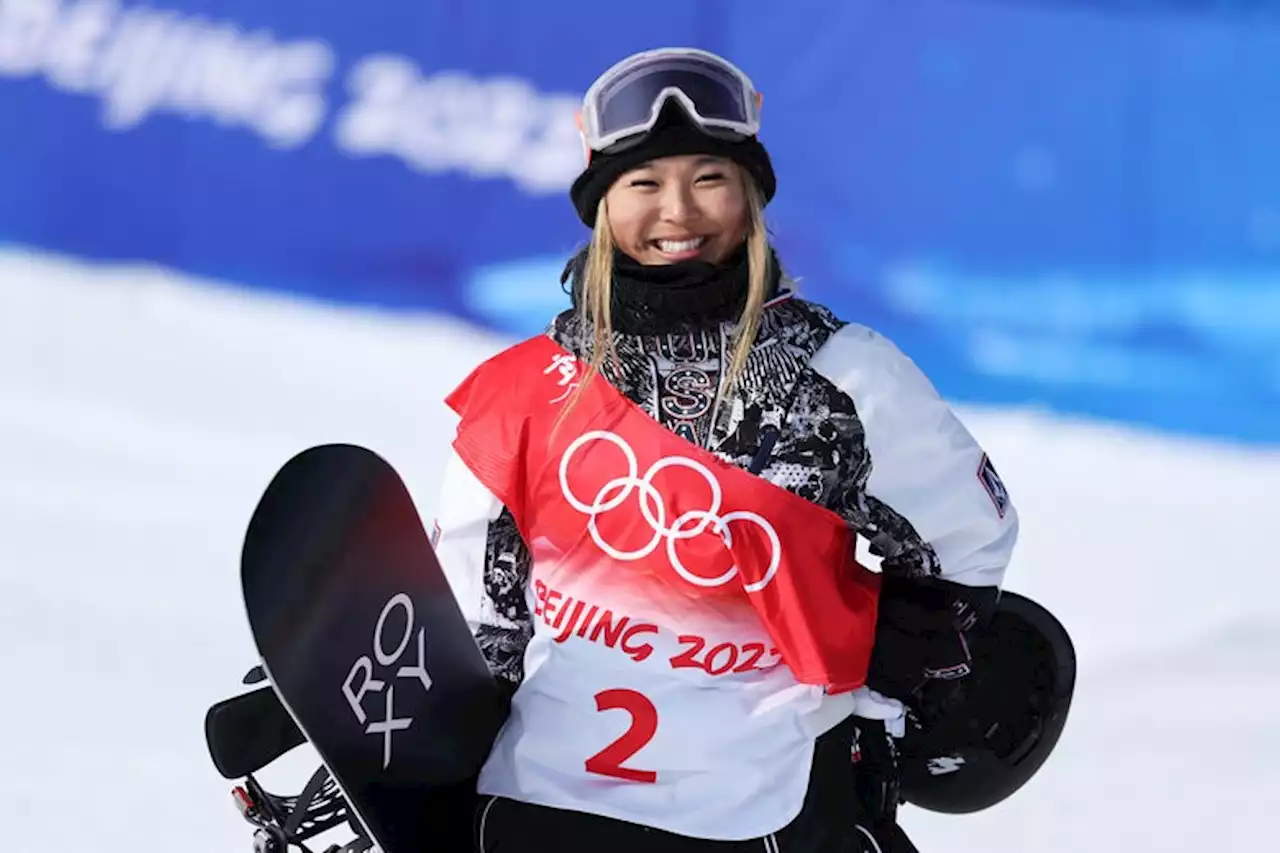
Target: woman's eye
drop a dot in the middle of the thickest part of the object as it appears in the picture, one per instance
(711, 176)
(643, 182)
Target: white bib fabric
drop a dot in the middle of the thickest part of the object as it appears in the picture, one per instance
(724, 756)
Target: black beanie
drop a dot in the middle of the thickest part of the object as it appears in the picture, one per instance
(673, 135)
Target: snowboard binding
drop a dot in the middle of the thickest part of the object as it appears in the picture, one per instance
(282, 821)
(246, 733)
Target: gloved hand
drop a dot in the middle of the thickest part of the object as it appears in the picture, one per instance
(924, 631)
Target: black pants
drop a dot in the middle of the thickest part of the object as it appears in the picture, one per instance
(845, 811)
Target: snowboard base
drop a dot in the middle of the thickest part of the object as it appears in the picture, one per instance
(366, 649)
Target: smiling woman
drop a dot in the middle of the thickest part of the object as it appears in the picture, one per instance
(652, 513)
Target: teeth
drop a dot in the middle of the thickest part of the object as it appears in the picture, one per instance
(675, 247)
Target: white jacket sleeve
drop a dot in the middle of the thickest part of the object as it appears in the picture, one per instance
(933, 497)
(487, 565)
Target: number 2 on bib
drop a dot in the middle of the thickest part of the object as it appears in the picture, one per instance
(644, 725)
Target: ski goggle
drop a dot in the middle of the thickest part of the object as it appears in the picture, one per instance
(624, 103)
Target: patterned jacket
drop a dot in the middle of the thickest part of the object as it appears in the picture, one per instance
(829, 410)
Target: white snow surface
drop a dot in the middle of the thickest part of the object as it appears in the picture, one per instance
(143, 412)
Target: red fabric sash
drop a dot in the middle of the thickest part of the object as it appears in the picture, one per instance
(607, 490)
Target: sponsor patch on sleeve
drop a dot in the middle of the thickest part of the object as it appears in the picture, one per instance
(994, 485)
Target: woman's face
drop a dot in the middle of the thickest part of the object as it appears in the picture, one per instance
(679, 208)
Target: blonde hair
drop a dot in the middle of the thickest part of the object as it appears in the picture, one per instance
(596, 302)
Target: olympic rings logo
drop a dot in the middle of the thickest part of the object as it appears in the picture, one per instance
(652, 507)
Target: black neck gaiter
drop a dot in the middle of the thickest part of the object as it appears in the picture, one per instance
(651, 300)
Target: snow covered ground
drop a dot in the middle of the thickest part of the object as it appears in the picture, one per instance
(141, 415)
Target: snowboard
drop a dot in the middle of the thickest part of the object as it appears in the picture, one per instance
(363, 643)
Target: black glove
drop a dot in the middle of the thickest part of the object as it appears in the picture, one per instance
(924, 633)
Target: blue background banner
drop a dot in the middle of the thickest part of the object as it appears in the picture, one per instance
(1044, 204)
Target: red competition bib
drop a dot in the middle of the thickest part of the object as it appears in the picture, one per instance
(614, 499)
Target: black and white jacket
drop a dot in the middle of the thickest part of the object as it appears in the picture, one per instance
(829, 410)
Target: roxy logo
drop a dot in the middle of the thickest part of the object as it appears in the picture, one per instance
(360, 679)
